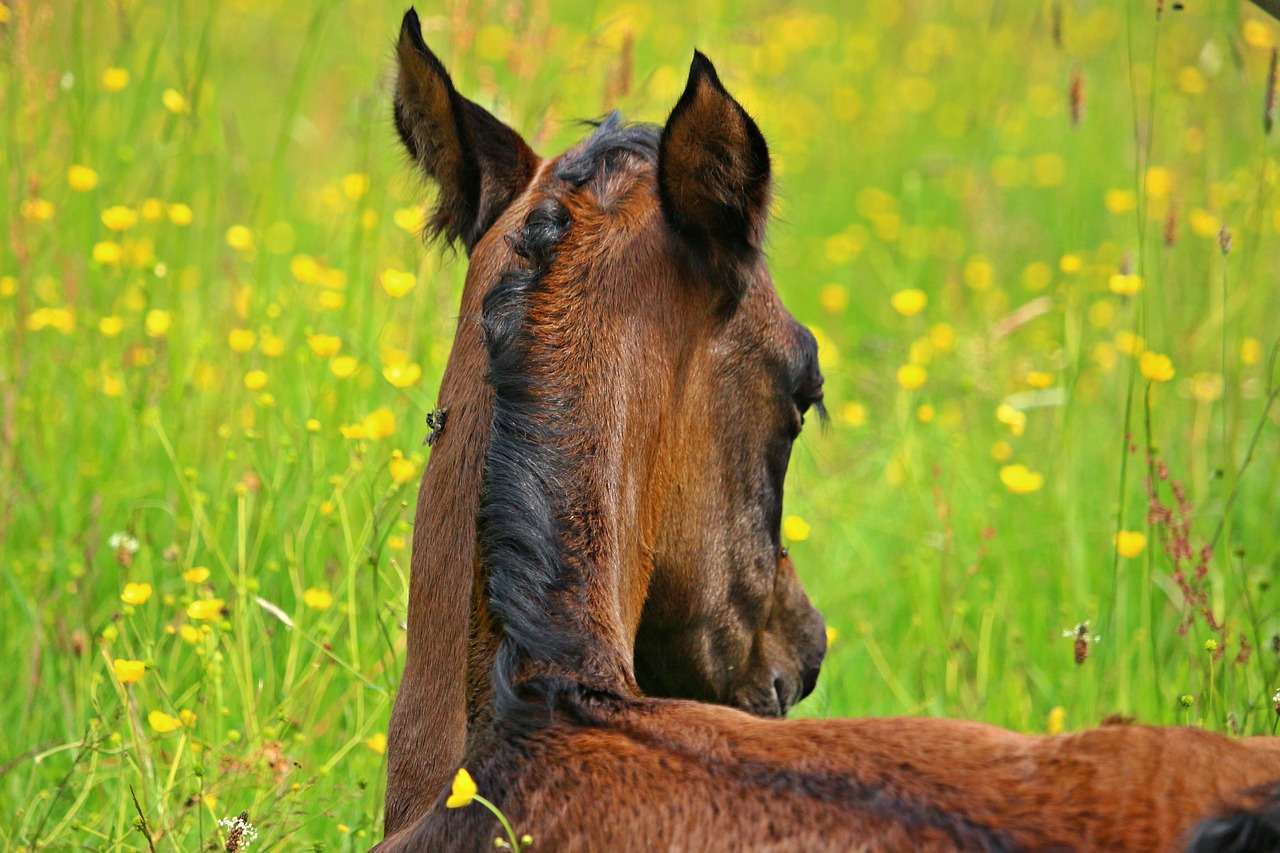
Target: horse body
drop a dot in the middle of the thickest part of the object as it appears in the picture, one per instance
(600, 520)
(673, 775)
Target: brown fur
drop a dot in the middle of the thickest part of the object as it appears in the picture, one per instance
(671, 383)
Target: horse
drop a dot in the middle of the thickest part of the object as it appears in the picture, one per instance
(603, 625)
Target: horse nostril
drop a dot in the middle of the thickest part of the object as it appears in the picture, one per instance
(782, 695)
(809, 680)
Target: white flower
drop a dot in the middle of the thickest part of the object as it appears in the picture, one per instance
(240, 832)
(121, 541)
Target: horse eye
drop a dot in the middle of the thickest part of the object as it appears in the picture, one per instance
(806, 400)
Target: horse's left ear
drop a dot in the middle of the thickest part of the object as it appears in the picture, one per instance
(713, 170)
(480, 164)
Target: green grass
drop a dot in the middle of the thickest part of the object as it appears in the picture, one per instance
(921, 145)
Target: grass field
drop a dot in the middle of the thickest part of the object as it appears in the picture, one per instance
(220, 336)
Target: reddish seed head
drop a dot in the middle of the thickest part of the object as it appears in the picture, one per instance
(1269, 104)
(1076, 97)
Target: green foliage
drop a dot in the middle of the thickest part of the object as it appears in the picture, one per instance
(220, 339)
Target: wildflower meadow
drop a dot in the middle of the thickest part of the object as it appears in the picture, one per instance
(1038, 243)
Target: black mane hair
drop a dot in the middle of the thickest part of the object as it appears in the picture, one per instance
(535, 586)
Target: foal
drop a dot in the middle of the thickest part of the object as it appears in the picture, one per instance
(601, 515)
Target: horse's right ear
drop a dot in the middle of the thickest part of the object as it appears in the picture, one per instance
(713, 171)
(480, 164)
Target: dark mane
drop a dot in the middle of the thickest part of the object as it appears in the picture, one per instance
(535, 585)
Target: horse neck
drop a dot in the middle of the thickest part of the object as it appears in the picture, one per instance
(428, 729)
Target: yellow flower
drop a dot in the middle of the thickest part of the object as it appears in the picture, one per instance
(379, 423)
(136, 593)
(912, 376)
(313, 425)
(81, 178)
(1155, 367)
(344, 366)
(832, 635)
(305, 269)
(189, 634)
(205, 608)
(1057, 716)
(61, 319)
(1129, 343)
(271, 345)
(158, 322)
(1250, 351)
(1036, 275)
(174, 102)
(925, 413)
(240, 238)
(464, 790)
(1191, 80)
(38, 209)
(1125, 284)
(111, 326)
(1204, 223)
(1258, 34)
(402, 470)
(108, 253)
(1130, 543)
(1070, 264)
(402, 375)
(152, 210)
(1120, 201)
(8, 285)
(978, 273)
(196, 574)
(255, 380)
(188, 717)
(129, 671)
(331, 300)
(119, 218)
(325, 346)
(1001, 451)
(162, 722)
(833, 298)
(1020, 480)
(180, 214)
(1040, 379)
(942, 336)
(317, 598)
(411, 219)
(853, 414)
(115, 79)
(378, 743)
(397, 282)
(241, 340)
(355, 185)
(909, 302)
(795, 528)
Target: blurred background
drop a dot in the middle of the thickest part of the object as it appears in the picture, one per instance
(1038, 243)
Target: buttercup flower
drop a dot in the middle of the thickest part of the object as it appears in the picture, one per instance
(795, 528)
(464, 790)
(1130, 543)
(136, 593)
(909, 302)
(129, 671)
(205, 608)
(1020, 480)
(162, 722)
(1155, 367)
(317, 598)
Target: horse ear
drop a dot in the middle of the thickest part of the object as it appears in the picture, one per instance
(480, 164)
(713, 170)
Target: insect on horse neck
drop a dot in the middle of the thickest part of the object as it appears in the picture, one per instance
(600, 518)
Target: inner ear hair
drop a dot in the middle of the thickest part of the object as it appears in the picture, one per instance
(479, 163)
(714, 174)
